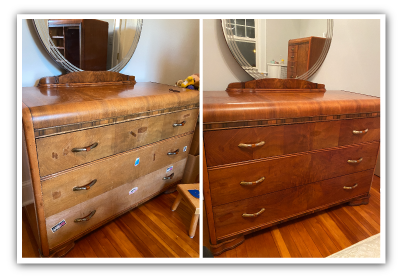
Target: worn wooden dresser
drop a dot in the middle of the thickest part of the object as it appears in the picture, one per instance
(98, 145)
(275, 154)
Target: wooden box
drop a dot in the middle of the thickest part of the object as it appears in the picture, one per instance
(99, 148)
(273, 154)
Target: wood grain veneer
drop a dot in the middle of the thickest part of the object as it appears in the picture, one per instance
(132, 123)
(293, 155)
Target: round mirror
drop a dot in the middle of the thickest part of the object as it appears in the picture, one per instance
(90, 44)
(279, 48)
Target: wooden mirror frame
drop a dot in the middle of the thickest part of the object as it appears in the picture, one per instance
(42, 30)
(254, 72)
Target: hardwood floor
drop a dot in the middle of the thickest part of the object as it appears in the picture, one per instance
(150, 230)
(314, 236)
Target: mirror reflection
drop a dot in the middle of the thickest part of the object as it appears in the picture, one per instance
(93, 44)
(276, 48)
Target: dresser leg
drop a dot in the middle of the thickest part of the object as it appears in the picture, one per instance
(219, 248)
(63, 251)
(360, 201)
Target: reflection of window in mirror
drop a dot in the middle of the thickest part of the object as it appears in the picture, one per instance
(244, 31)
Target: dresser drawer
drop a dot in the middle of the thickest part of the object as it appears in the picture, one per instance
(109, 173)
(222, 146)
(55, 152)
(274, 174)
(287, 203)
(109, 204)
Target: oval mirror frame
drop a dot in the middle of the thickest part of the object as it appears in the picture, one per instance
(42, 30)
(233, 47)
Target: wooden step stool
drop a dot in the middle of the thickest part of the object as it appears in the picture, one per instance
(192, 202)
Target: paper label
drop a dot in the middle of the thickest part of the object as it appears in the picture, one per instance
(170, 168)
(133, 190)
(58, 226)
(185, 148)
(137, 161)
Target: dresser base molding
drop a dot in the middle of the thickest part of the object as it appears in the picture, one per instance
(62, 251)
(219, 248)
(364, 200)
(227, 238)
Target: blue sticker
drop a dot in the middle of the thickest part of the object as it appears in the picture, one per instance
(137, 161)
(170, 168)
(185, 148)
(58, 226)
(194, 193)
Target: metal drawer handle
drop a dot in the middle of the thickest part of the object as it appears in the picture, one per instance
(169, 176)
(253, 215)
(173, 152)
(349, 188)
(292, 56)
(87, 218)
(85, 149)
(179, 124)
(360, 131)
(254, 182)
(355, 161)
(259, 144)
(85, 187)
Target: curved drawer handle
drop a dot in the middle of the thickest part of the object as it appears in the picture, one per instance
(87, 218)
(253, 215)
(355, 161)
(169, 176)
(173, 152)
(259, 144)
(349, 188)
(85, 149)
(85, 187)
(254, 182)
(179, 124)
(360, 131)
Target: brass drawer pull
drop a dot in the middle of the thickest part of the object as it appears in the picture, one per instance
(85, 187)
(355, 161)
(259, 144)
(179, 124)
(173, 152)
(253, 215)
(360, 131)
(85, 149)
(349, 188)
(169, 176)
(254, 182)
(87, 218)
(292, 56)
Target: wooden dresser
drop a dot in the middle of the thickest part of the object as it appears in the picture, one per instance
(303, 53)
(275, 154)
(99, 144)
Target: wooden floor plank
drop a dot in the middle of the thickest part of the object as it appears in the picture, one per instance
(86, 248)
(96, 246)
(290, 243)
(280, 243)
(301, 246)
(241, 251)
(360, 220)
(333, 231)
(368, 218)
(272, 249)
(352, 237)
(308, 241)
(28, 240)
(106, 244)
(356, 228)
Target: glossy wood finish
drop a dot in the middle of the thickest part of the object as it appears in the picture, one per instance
(286, 172)
(286, 139)
(150, 230)
(291, 152)
(314, 236)
(87, 111)
(249, 109)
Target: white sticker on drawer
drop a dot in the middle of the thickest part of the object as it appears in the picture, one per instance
(184, 148)
(133, 190)
(137, 161)
(58, 226)
(170, 168)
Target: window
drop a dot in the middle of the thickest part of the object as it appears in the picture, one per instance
(244, 31)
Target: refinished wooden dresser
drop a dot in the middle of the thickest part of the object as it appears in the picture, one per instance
(98, 145)
(275, 154)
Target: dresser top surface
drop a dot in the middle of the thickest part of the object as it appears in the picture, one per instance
(50, 106)
(220, 106)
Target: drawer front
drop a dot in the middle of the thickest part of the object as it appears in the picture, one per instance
(293, 49)
(110, 173)
(266, 176)
(222, 147)
(287, 203)
(55, 152)
(109, 204)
